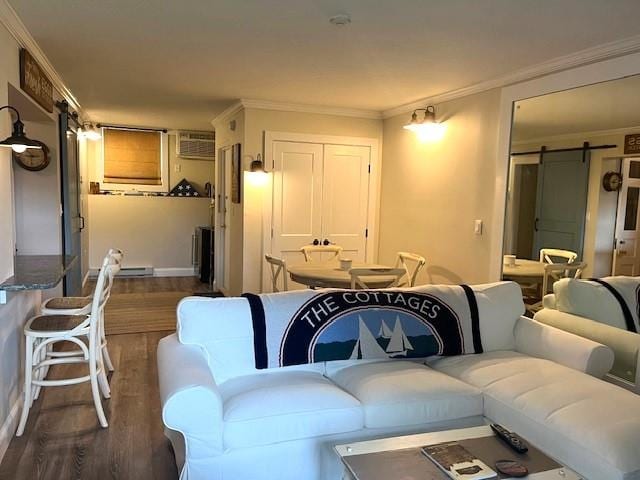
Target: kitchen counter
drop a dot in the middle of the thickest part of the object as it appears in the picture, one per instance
(36, 272)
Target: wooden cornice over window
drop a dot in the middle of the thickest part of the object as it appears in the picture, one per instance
(132, 157)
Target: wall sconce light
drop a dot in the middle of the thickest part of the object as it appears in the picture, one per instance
(257, 174)
(427, 129)
(89, 131)
(18, 141)
(257, 166)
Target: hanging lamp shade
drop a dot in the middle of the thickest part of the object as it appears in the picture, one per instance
(18, 141)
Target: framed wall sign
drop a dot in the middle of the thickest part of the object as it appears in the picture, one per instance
(34, 81)
(236, 171)
(632, 144)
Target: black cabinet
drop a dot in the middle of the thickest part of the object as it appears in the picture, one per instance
(203, 247)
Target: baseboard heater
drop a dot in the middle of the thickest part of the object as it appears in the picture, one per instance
(127, 272)
(135, 272)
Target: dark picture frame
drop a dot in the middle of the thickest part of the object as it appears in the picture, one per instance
(236, 171)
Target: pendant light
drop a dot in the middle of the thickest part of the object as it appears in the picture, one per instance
(427, 129)
(18, 141)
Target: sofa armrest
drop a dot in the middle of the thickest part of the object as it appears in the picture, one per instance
(549, 301)
(191, 401)
(539, 340)
(625, 344)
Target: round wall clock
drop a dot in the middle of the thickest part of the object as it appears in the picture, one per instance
(33, 159)
(612, 181)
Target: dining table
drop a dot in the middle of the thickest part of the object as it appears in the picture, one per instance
(330, 275)
(524, 271)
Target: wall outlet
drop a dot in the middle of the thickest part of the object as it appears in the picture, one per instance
(177, 167)
(477, 227)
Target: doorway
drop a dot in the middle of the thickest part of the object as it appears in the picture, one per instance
(547, 202)
(626, 257)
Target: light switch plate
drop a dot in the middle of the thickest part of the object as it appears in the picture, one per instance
(477, 227)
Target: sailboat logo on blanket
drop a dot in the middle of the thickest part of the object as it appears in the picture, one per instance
(355, 339)
(347, 325)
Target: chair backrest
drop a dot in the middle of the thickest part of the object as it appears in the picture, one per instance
(555, 271)
(278, 267)
(100, 295)
(368, 277)
(412, 264)
(309, 250)
(548, 254)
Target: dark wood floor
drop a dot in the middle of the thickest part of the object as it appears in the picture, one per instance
(159, 296)
(63, 439)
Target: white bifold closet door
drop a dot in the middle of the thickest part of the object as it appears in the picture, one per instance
(320, 192)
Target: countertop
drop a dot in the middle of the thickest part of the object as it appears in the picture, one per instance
(37, 272)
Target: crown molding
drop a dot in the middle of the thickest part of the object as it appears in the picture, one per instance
(303, 108)
(9, 18)
(577, 136)
(227, 112)
(587, 56)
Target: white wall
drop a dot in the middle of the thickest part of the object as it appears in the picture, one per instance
(433, 192)
(22, 304)
(37, 199)
(152, 231)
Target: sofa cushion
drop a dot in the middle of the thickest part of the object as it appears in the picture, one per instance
(275, 407)
(402, 393)
(562, 411)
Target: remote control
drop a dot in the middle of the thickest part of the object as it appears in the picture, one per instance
(513, 440)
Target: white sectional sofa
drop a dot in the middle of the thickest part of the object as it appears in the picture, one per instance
(229, 421)
(589, 310)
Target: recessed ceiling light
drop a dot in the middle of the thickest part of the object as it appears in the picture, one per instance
(340, 20)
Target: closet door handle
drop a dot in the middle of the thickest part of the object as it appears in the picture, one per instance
(316, 241)
(535, 225)
(326, 242)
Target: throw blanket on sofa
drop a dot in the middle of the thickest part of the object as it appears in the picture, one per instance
(626, 291)
(301, 327)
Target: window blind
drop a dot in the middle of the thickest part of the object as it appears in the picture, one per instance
(132, 157)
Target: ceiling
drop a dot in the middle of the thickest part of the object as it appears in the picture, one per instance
(603, 106)
(179, 63)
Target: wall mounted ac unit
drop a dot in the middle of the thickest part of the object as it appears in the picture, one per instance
(200, 145)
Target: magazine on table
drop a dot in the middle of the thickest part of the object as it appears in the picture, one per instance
(457, 462)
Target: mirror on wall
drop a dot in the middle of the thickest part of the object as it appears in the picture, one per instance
(573, 189)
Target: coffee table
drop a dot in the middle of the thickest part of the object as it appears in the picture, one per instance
(401, 458)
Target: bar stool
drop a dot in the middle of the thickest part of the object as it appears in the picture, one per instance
(82, 306)
(43, 331)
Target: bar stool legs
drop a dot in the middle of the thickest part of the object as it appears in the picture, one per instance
(28, 387)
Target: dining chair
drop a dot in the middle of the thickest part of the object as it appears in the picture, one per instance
(82, 305)
(43, 331)
(278, 268)
(412, 264)
(309, 250)
(548, 254)
(366, 277)
(552, 273)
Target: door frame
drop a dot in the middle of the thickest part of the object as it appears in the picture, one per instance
(221, 248)
(511, 219)
(621, 202)
(373, 207)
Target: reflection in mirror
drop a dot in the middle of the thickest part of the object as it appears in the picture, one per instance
(572, 210)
